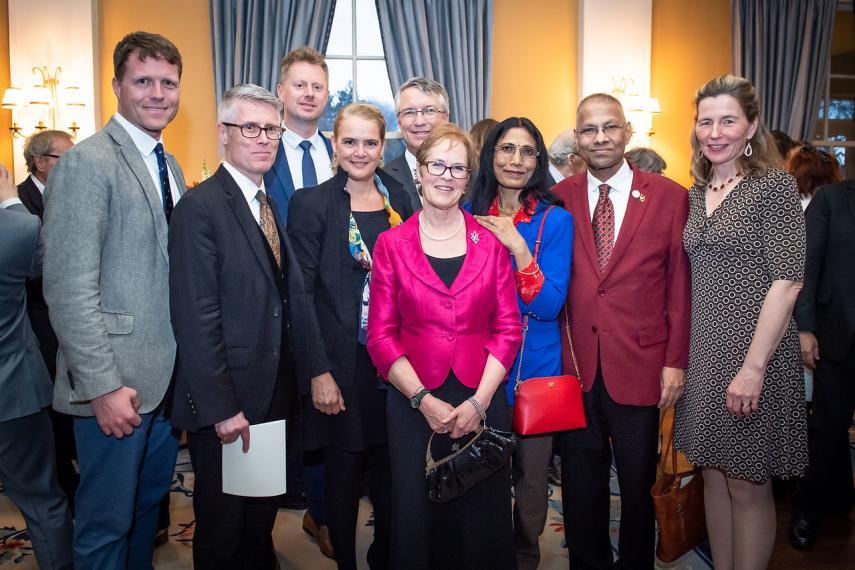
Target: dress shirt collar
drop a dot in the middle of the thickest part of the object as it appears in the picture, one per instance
(247, 186)
(38, 183)
(411, 162)
(143, 141)
(621, 181)
(293, 140)
(556, 174)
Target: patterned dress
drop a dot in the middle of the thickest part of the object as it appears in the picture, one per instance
(756, 236)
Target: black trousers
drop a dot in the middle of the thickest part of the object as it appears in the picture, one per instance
(828, 486)
(343, 489)
(586, 458)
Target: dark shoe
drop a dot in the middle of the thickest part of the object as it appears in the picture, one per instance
(553, 472)
(802, 533)
(293, 501)
(321, 535)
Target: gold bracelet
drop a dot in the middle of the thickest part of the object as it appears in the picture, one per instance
(535, 272)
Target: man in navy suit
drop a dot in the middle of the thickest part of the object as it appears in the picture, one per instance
(421, 104)
(304, 156)
(303, 160)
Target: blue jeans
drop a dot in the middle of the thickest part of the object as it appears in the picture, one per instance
(122, 482)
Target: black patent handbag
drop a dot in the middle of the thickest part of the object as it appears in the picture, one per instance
(486, 453)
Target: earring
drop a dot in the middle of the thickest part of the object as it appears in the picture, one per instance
(700, 153)
(748, 150)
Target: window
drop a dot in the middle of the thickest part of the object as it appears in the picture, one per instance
(357, 67)
(835, 129)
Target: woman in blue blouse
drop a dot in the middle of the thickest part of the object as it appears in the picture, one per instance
(510, 198)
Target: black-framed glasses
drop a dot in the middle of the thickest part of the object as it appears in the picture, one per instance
(610, 130)
(527, 152)
(427, 112)
(436, 168)
(51, 155)
(253, 131)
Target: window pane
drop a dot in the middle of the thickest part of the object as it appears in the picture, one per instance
(341, 91)
(368, 41)
(341, 33)
(393, 149)
(372, 85)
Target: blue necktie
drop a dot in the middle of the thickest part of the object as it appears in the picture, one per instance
(164, 181)
(310, 177)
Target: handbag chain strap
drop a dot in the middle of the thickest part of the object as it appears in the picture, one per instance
(431, 463)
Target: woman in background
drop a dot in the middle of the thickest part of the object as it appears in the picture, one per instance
(334, 228)
(510, 199)
(741, 417)
(812, 168)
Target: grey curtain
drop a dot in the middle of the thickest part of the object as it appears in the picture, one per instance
(783, 48)
(446, 40)
(249, 37)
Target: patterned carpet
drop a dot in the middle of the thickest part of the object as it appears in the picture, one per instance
(295, 548)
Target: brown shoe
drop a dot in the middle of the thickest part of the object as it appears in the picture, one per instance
(321, 535)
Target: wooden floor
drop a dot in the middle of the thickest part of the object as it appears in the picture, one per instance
(835, 545)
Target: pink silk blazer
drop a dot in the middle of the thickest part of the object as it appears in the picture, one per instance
(412, 313)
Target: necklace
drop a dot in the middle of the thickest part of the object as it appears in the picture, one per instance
(430, 237)
(717, 188)
(505, 212)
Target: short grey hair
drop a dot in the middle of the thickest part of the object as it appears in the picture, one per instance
(646, 159)
(245, 92)
(562, 148)
(426, 86)
(41, 144)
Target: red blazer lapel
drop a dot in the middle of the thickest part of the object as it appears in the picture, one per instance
(476, 254)
(635, 210)
(583, 229)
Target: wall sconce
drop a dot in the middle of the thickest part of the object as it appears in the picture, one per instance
(47, 96)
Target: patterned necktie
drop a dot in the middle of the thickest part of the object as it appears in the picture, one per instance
(268, 226)
(164, 181)
(604, 227)
(310, 177)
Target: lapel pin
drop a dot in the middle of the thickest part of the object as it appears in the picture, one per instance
(638, 196)
(474, 236)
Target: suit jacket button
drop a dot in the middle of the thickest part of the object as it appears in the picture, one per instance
(450, 337)
(275, 312)
(275, 352)
(593, 329)
(446, 304)
(601, 292)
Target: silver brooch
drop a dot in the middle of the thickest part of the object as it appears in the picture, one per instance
(638, 196)
(474, 236)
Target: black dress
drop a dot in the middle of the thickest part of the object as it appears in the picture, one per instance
(474, 531)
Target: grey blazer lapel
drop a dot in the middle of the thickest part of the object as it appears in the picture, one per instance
(136, 165)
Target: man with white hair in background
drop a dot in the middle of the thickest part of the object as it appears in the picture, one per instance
(564, 158)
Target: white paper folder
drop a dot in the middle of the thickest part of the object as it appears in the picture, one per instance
(261, 471)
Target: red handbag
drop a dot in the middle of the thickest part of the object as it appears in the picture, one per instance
(548, 403)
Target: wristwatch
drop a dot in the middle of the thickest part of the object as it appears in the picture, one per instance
(417, 398)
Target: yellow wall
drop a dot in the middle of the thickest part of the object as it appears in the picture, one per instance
(691, 45)
(5, 115)
(534, 62)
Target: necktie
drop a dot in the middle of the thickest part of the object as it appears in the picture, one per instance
(165, 189)
(268, 226)
(604, 227)
(310, 177)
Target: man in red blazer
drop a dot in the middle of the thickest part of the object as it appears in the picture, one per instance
(629, 310)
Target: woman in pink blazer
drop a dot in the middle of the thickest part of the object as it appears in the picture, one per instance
(444, 329)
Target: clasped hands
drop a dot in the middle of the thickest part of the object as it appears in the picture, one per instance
(442, 417)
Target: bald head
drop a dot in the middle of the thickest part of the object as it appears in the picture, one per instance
(603, 98)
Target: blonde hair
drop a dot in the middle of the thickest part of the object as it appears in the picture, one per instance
(764, 152)
(305, 53)
(365, 111)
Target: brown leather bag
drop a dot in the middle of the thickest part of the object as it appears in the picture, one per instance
(679, 509)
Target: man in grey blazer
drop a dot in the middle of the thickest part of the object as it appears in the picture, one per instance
(106, 282)
(27, 464)
(421, 104)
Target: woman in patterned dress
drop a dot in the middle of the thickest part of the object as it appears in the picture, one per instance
(741, 418)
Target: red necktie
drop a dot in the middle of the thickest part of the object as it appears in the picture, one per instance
(604, 227)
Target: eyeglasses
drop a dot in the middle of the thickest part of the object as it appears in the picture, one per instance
(591, 132)
(253, 131)
(436, 168)
(508, 150)
(427, 112)
(51, 155)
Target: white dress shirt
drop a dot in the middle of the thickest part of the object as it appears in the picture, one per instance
(556, 174)
(38, 184)
(10, 202)
(294, 154)
(249, 189)
(145, 143)
(412, 163)
(621, 186)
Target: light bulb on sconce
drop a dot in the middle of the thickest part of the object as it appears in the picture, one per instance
(46, 95)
